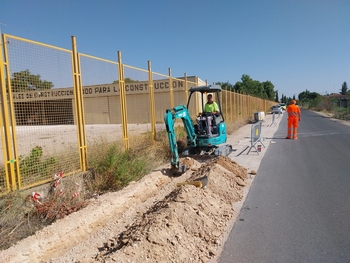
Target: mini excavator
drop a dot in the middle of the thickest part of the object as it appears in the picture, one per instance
(199, 142)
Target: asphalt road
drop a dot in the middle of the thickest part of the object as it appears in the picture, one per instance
(298, 207)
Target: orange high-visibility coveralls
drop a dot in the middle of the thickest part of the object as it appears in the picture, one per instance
(293, 119)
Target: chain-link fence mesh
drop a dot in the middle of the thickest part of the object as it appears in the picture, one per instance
(48, 127)
(44, 113)
(100, 85)
(4, 184)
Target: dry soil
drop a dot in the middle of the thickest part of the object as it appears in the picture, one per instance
(152, 220)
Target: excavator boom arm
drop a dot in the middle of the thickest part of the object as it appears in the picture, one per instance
(170, 117)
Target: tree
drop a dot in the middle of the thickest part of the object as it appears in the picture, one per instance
(225, 85)
(312, 99)
(269, 90)
(238, 87)
(263, 90)
(276, 97)
(126, 80)
(307, 96)
(247, 85)
(303, 96)
(24, 80)
(344, 89)
(283, 98)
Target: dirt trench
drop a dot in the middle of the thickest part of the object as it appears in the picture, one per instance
(152, 220)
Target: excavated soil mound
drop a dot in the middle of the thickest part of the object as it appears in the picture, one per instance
(152, 220)
(187, 225)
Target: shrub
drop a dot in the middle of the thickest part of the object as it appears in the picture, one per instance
(33, 165)
(116, 168)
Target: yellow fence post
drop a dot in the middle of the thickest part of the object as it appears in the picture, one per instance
(249, 99)
(6, 141)
(239, 104)
(151, 101)
(235, 101)
(231, 106)
(12, 162)
(79, 105)
(186, 87)
(123, 108)
(171, 89)
(221, 100)
(226, 105)
(246, 104)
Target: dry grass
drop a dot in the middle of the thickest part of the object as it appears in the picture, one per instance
(21, 216)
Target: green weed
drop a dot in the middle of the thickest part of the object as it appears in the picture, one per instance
(32, 165)
(117, 168)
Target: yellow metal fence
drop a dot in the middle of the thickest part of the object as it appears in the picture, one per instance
(57, 104)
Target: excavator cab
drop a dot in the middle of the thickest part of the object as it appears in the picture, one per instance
(197, 99)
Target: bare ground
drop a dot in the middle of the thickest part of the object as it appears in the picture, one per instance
(152, 220)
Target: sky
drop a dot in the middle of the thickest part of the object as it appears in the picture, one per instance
(298, 45)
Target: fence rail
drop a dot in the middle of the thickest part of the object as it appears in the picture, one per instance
(56, 104)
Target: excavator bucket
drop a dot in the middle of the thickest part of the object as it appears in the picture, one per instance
(199, 182)
(177, 171)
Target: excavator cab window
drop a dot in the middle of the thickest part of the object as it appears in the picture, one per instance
(198, 97)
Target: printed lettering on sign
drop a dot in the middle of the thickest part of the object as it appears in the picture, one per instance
(136, 87)
(102, 90)
(165, 85)
(97, 90)
(87, 91)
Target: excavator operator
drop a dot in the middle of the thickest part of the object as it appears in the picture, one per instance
(294, 117)
(211, 109)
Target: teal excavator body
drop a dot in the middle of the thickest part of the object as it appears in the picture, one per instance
(198, 141)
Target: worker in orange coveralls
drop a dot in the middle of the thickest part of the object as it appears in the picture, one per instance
(294, 117)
